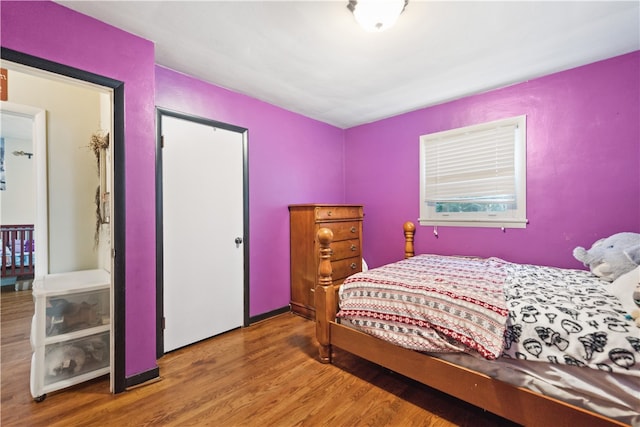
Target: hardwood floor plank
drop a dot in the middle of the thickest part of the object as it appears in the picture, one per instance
(263, 375)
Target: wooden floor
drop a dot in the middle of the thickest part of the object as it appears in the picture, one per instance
(264, 375)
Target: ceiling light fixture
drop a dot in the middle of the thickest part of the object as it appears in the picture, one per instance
(377, 15)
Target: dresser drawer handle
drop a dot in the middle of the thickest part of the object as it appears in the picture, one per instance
(329, 213)
(353, 229)
(353, 265)
(353, 248)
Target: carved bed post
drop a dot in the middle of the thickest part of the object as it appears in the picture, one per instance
(325, 297)
(409, 231)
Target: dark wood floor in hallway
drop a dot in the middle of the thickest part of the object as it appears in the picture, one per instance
(263, 375)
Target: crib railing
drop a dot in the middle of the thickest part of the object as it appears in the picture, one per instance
(17, 251)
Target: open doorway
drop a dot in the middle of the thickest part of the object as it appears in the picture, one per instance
(115, 203)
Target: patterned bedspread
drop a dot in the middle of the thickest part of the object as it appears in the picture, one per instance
(492, 308)
(568, 317)
(431, 303)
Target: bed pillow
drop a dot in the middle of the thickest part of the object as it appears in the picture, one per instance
(624, 287)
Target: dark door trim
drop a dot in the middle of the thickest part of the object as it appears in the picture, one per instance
(119, 225)
(160, 112)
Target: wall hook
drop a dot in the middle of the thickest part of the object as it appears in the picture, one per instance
(22, 153)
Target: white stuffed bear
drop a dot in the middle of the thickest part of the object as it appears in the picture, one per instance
(611, 257)
(627, 289)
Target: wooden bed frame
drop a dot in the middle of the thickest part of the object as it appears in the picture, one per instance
(513, 403)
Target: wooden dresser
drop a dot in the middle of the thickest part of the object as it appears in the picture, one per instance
(305, 220)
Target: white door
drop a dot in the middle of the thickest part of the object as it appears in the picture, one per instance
(203, 215)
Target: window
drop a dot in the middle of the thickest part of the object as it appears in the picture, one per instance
(475, 176)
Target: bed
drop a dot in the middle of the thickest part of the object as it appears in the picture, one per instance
(17, 252)
(529, 392)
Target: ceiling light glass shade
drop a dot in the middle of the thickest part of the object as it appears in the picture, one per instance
(376, 15)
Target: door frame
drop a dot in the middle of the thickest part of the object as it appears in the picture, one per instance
(160, 113)
(38, 118)
(118, 277)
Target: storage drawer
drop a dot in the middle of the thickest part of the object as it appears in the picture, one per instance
(327, 213)
(343, 230)
(345, 268)
(68, 359)
(77, 311)
(345, 249)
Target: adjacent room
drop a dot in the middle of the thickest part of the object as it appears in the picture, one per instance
(315, 213)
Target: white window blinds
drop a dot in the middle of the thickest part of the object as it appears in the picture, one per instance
(475, 176)
(475, 166)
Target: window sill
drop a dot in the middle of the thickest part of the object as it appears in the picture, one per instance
(495, 223)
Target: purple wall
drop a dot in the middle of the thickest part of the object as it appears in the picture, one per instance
(286, 151)
(583, 163)
(55, 33)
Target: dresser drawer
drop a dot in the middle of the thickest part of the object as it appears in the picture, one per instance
(329, 213)
(345, 267)
(343, 230)
(345, 249)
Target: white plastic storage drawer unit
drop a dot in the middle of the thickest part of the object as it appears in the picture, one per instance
(70, 330)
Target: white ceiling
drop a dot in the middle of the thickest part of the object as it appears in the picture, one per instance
(310, 57)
